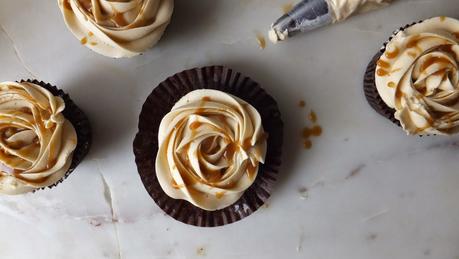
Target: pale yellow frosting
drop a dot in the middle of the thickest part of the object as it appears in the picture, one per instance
(116, 28)
(342, 9)
(210, 147)
(418, 76)
(36, 141)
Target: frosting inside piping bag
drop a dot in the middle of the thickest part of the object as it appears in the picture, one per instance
(342, 9)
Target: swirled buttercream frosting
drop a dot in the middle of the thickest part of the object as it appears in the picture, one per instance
(417, 75)
(36, 140)
(117, 28)
(210, 147)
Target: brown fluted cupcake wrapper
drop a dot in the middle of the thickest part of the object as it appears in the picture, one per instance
(161, 101)
(79, 121)
(369, 84)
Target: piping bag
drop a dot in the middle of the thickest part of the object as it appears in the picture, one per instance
(308, 15)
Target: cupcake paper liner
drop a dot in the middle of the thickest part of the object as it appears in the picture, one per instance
(79, 121)
(161, 101)
(369, 85)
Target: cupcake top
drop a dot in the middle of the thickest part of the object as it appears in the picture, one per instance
(116, 28)
(210, 147)
(417, 75)
(36, 140)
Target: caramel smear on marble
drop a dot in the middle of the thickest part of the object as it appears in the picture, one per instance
(308, 132)
(261, 41)
(201, 251)
(287, 7)
(312, 116)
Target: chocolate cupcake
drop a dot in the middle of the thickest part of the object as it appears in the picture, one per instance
(117, 28)
(413, 80)
(209, 146)
(43, 136)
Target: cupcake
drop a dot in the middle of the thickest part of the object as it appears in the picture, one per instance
(43, 136)
(413, 81)
(117, 28)
(209, 145)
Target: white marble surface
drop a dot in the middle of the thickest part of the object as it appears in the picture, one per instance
(402, 202)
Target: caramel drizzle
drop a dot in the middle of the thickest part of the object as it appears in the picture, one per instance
(434, 60)
(313, 117)
(212, 177)
(67, 5)
(392, 54)
(24, 149)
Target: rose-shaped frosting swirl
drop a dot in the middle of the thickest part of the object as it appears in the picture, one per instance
(36, 141)
(418, 76)
(210, 146)
(117, 28)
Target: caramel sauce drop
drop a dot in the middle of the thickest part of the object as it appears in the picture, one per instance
(382, 72)
(383, 64)
(195, 125)
(314, 131)
(84, 40)
(67, 5)
(90, 34)
(231, 149)
(219, 195)
(246, 144)
(261, 41)
(313, 117)
(93, 43)
(393, 54)
(442, 18)
(206, 99)
(119, 19)
(391, 84)
(287, 7)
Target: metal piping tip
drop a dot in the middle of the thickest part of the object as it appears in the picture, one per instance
(305, 16)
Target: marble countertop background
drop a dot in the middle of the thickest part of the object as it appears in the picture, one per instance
(364, 189)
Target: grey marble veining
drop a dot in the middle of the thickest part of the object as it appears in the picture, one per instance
(364, 189)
